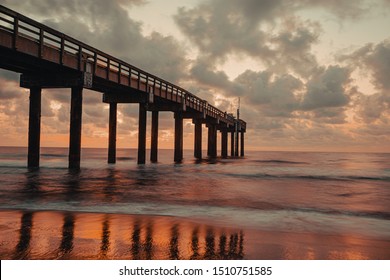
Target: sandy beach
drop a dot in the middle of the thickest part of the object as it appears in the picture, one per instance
(67, 235)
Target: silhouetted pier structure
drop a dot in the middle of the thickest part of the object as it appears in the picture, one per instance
(47, 58)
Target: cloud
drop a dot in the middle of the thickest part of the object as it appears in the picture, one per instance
(343, 9)
(9, 89)
(293, 46)
(372, 108)
(374, 61)
(378, 60)
(327, 89)
(220, 27)
(273, 94)
(206, 75)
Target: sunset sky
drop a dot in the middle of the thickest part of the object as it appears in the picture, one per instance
(311, 74)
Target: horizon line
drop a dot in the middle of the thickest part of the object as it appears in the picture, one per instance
(247, 149)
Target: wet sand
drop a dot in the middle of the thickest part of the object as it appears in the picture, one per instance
(67, 235)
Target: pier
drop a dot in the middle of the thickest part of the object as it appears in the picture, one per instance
(47, 58)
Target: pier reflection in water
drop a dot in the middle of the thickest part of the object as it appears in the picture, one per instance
(115, 236)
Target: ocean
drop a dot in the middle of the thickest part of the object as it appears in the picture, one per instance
(267, 205)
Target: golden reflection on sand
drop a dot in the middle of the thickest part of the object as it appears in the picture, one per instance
(57, 235)
(67, 235)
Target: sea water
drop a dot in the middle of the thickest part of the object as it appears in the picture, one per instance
(289, 193)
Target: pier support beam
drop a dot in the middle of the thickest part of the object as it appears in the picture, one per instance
(112, 133)
(242, 144)
(224, 143)
(75, 127)
(34, 127)
(154, 138)
(142, 133)
(198, 139)
(236, 142)
(232, 144)
(178, 137)
(212, 141)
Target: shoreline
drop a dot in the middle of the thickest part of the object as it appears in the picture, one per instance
(81, 235)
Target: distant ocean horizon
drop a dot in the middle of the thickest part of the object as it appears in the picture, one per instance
(247, 149)
(267, 205)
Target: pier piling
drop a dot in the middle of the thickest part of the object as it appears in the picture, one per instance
(154, 138)
(75, 127)
(34, 127)
(178, 137)
(224, 143)
(112, 133)
(198, 139)
(142, 133)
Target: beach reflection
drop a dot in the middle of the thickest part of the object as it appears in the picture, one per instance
(23, 246)
(67, 234)
(121, 237)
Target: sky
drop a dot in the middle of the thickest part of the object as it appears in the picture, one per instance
(311, 75)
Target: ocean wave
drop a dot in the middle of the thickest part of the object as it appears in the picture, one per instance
(54, 155)
(279, 161)
(309, 177)
(189, 210)
(367, 214)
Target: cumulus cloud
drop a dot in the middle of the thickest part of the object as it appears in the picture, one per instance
(374, 60)
(272, 94)
(220, 27)
(9, 89)
(371, 108)
(327, 89)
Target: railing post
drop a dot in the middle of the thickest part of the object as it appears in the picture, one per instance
(108, 69)
(80, 59)
(95, 64)
(16, 34)
(41, 42)
(62, 49)
(119, 73)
